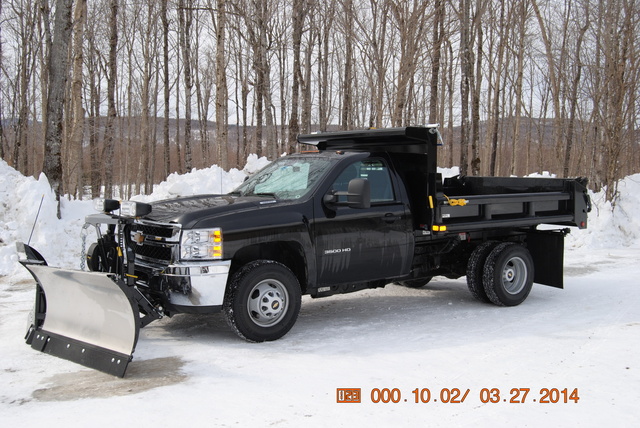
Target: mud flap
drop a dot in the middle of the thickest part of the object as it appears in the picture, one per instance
(547, 250)
(90, 318)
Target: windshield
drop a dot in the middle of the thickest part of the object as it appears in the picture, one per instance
(286, 178)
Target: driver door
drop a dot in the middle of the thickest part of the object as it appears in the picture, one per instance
(358, 245)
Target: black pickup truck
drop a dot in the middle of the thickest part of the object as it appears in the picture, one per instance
(365, 209)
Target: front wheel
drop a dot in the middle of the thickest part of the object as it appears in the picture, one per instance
(263, 301)
(508, 274)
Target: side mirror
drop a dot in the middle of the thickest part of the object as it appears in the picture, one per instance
(358, 195)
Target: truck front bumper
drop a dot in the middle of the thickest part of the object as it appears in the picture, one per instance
(196, 287)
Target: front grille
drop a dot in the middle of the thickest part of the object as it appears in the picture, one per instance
(153, 252)
(157, 243)
(159, 231)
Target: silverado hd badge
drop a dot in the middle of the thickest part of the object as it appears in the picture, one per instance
(337, 251)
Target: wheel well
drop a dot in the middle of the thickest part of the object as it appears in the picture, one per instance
(289, 254)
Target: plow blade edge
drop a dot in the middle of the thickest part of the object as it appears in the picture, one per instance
(90, 318)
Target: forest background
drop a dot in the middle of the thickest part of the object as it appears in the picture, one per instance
(111, 96)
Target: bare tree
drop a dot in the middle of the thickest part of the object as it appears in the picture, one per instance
(222, 106)
(93, 83)
(58, 72)
(346, 119)
(438, 35)
(24, 29)
(411, 25)
(166, 88)
(298, 12)
(466, 65)
(74, 169)
(109, 143)
(497, 90)
(325, 23)
(618, 49)
(573, 97)
(185, 19)
(476, 85)
(521, 35)
(2, 136)
(554, 83)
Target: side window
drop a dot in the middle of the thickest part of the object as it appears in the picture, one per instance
(374, 170)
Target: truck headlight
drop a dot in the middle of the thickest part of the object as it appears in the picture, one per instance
(201, 244)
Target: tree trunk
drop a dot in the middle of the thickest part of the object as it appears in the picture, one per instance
(323, 65)
(185, 18)
(346, 120)
(497, 90)
(95, 176)
(109, 143)
(222, 106)
(521, 34)
(466, 64)
(167, 99)
(74, 167)
(297, 20)
(574, 99)
(58, 73)
(554, 83)
(411, 26)
(475, 99)
(438, 32)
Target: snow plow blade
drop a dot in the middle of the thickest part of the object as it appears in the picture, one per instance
(90, 318)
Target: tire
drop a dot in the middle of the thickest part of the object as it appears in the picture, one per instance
(263, 301)
(102, 256)
(415, 283)
(508, 274)
(475, 270)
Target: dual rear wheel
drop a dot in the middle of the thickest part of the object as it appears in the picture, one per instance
(500, 273)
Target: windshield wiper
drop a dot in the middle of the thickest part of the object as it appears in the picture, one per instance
(273, 195)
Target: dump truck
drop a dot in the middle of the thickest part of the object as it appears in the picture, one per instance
(363, 209)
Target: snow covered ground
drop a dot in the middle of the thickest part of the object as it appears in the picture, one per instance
(193, 370)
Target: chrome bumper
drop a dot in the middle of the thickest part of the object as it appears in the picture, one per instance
(205, 283)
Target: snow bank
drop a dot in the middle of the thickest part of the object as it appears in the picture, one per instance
(59, 240)
(60, 243)
(20, 198)
(613, 226)
(208, 180)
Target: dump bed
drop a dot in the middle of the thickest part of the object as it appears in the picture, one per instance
(489, 202)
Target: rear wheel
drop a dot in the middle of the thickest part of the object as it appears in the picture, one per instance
(475, 270)
(263, 301)
(508, 274)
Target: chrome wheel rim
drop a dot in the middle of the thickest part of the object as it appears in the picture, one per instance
(267, 302)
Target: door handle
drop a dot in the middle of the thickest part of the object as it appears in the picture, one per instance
(391, 218)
